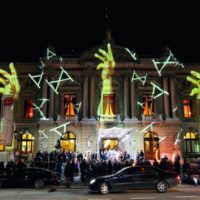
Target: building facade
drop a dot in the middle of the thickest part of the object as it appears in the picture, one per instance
(149, 107)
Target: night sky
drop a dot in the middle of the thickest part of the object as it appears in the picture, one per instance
(28, 28)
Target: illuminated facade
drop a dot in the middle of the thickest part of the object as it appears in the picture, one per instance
(123, 116)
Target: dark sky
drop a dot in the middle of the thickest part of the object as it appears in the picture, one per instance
(28, 28)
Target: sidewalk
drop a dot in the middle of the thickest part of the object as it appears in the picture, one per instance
(76, 184)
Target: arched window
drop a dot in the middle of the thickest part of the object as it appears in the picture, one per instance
(151, 145)
(26, 143)
(191, 143)
(68, 142)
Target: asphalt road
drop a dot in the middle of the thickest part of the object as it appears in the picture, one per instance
(186, 192)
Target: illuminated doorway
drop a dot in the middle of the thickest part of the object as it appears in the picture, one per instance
(110, 143)
(151, 145)
(68, 142)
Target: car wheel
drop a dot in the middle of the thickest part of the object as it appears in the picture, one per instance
(162, 186)
(39, 184)
(103, 188)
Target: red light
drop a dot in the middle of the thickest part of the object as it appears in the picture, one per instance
(178, 178)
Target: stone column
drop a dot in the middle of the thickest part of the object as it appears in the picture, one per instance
(44, 95)
(173, 97)
(51, 103)
(126, 97)
(166, 97)
(92, 97)
(133, 100)
(62, 106)
(85, 98)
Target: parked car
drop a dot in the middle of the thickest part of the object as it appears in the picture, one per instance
(190, 175)
(137, 177)
(30, 177)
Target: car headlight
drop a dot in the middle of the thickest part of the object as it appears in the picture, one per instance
(92, 181)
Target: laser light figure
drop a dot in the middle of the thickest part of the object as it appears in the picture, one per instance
(133, 55)
(156, 87)
(195, 79)
(10, 82)
(50, 83)
(64, 126)
(38, 108)
(178, 137)
(140, 78)
(77, 106)
(33, 78)
(50, 54)
(107, 65)
(161, 138)
(170, 60)
(43, 135)
(147, 127)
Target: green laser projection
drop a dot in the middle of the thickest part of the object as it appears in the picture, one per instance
(157, 88)
(39, 108)
(195, 79)
(35, 77)
(60, 132)
(107, 65)
(140, 78)
(50, 54)
(164, 62)
(60, 79)
(144, 130)
(10, 82)
(133, 55)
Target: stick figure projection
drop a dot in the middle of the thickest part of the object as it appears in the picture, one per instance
(106, 104)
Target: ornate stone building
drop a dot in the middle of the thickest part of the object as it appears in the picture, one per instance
(144, 117)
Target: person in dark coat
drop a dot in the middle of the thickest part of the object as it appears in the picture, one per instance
(69, 173)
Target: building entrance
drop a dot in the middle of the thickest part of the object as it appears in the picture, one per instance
(116, 141)
(110, 143)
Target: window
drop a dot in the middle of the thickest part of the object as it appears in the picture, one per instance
(151, 145)
(187, 108)
(69, 102)
(191, 143)
(68, 142)
(110, 143)
(26, 143)
(28, 108)
(109, 104)
(132, 171)
(148, 105)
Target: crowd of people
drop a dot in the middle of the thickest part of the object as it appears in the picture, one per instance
(71, 164)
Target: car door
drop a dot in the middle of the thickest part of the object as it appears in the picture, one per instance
(148, 177)
(15, 179)
(131, 178)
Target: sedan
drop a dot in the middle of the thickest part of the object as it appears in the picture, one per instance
(30, 177)
(137, 177)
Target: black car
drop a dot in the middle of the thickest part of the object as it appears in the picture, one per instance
(30, 177)
(137, 177)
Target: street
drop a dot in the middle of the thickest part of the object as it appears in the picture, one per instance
(78, 192)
